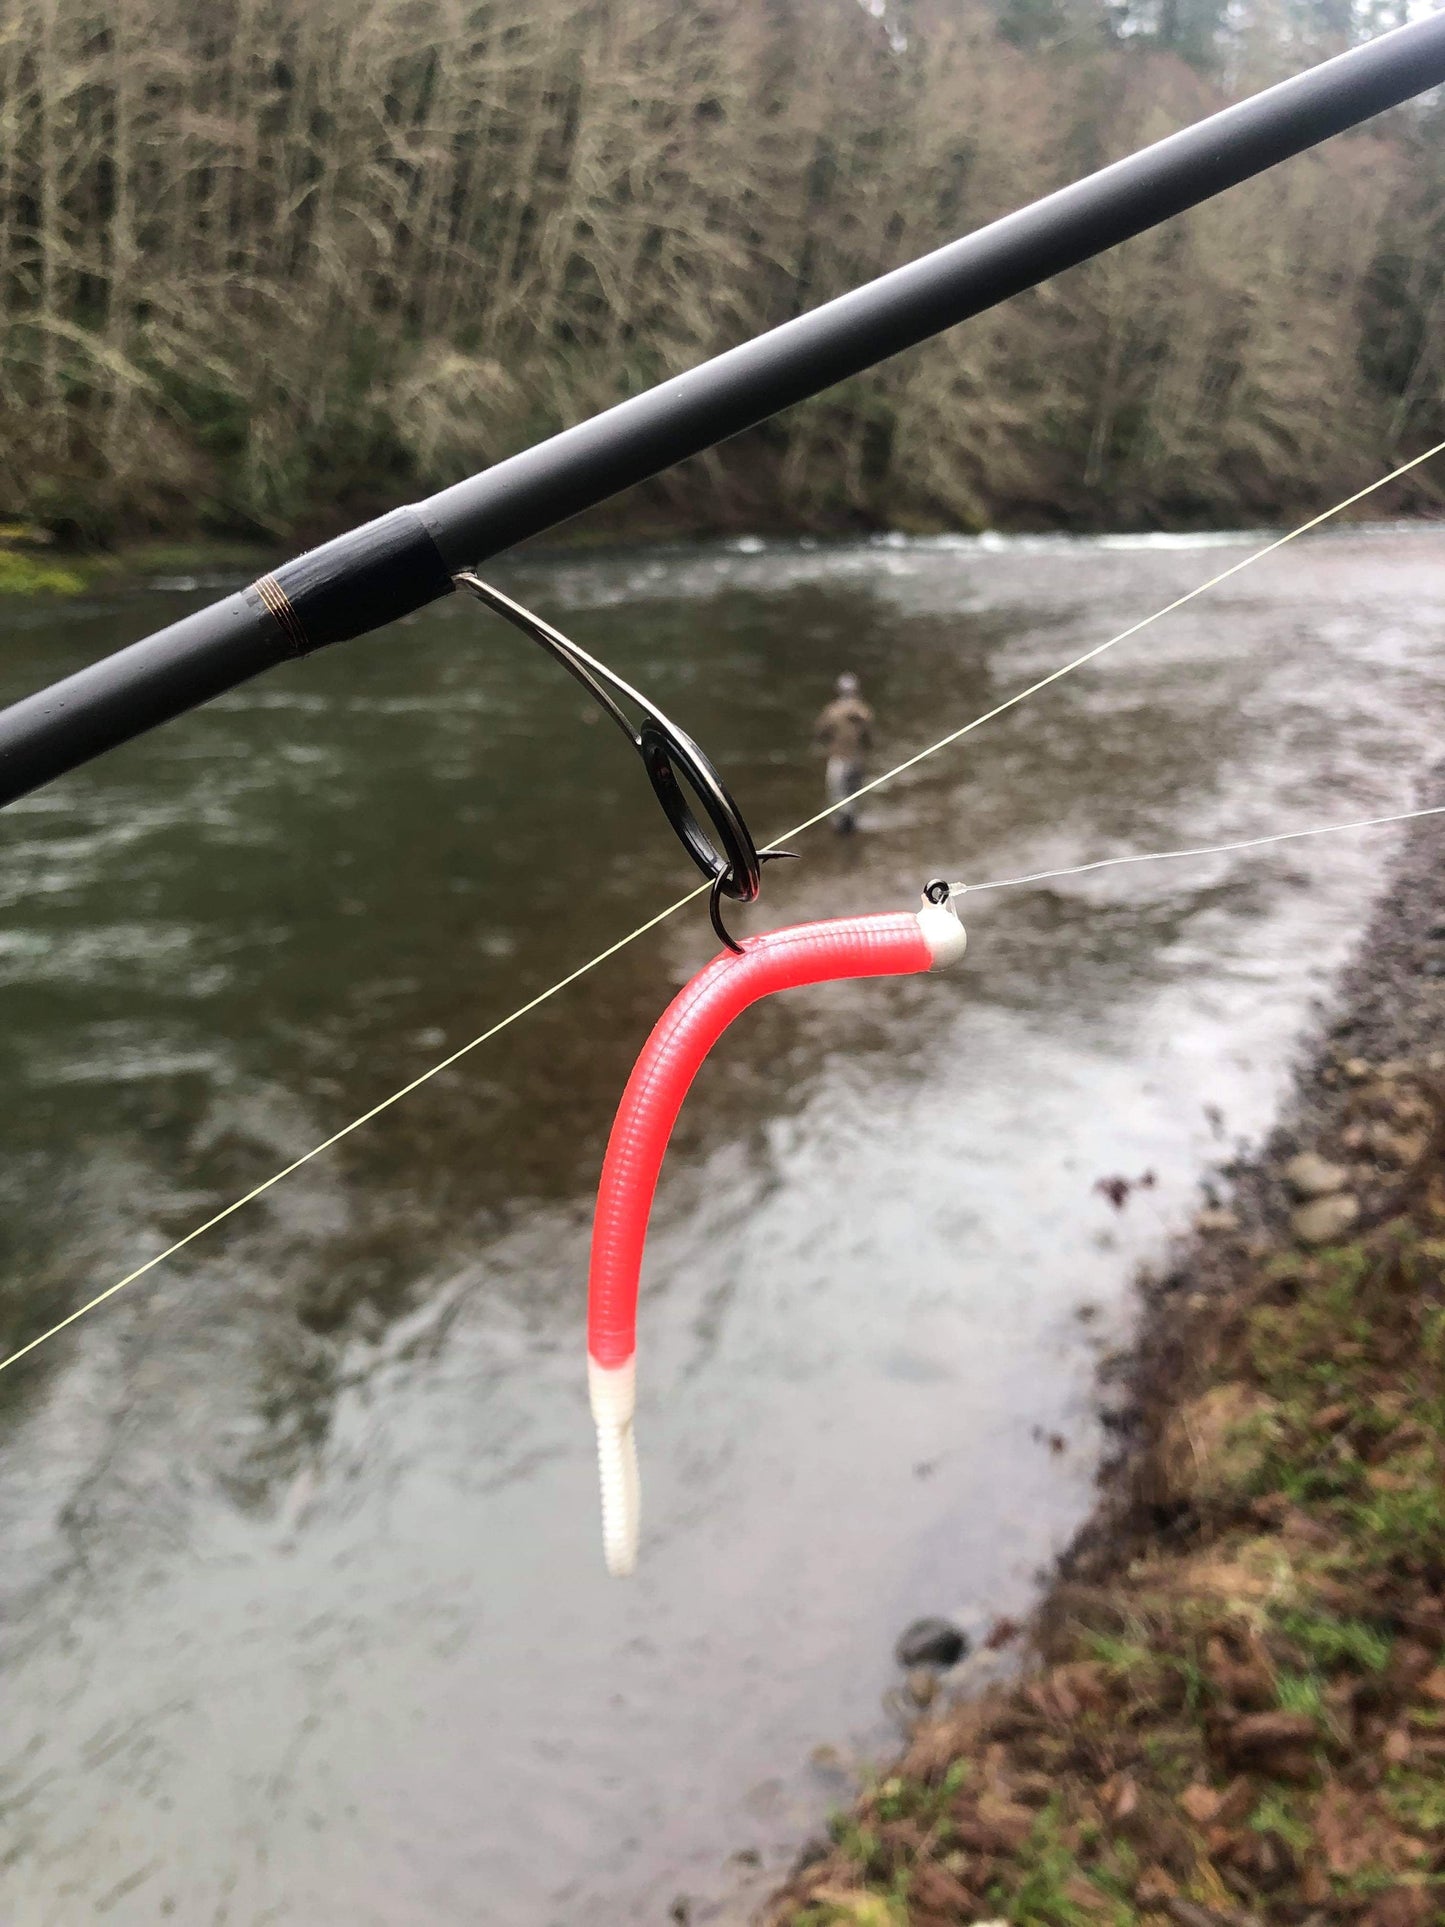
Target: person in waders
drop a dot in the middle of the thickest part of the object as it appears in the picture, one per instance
(843, 732)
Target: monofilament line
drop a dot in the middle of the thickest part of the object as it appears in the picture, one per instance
(1208, 849)
(257, 1191)
(1092, 655)
(652, 923)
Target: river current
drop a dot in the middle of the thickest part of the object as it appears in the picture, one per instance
(303, 1617)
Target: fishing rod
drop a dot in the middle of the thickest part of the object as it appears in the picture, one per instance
(414, 555)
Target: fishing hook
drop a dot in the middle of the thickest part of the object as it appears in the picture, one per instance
(719, 890)
(731, 862)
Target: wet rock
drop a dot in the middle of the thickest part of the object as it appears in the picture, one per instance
(1410, 1107)
(828, 1761)
(812, 1852)
(921, 1686)
(1217, 1218)
(930, 1642)
(1325, 1220)
(1311, 1176)
(1402, 1148)
(1386, 1143)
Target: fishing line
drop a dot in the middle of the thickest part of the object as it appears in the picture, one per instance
(504, 1023)
(1208, 849)
(662, 916)
(1092, 655)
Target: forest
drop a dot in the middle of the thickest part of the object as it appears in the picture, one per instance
(271, 265)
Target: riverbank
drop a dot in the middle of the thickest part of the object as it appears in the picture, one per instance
(1232, 1704)
(33, 562)
(32, 565)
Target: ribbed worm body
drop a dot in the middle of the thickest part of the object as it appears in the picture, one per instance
(873, 946)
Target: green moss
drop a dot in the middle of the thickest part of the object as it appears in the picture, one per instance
(1417, 1799)
(22, 574)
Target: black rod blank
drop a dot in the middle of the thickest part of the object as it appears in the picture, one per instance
(362, 580)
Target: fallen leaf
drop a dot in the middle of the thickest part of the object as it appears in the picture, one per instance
(1381, 1479)
(1259, 1735)
(1237, 1801)
(1356, 1836)
(1188, 1914)
(1126, 1800)
(1314, 1886)
(1085, 1895)
(933, 1887)
(1201, 1803)
(1400, 1907)
(859, 1910)
(1337, 1827)
(1330, 1417)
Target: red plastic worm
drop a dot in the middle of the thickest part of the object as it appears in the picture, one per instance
(895, 945)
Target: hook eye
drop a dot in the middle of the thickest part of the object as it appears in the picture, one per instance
(720, 888)
(731, 861)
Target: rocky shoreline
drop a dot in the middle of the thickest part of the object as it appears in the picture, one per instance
(1231, 1706)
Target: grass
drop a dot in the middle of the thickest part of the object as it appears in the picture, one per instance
(1332, 1642)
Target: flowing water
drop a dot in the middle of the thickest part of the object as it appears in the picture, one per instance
(302, 1604)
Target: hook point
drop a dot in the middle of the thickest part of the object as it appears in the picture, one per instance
(719, 886)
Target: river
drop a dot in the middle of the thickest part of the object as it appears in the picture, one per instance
(303, 1611)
